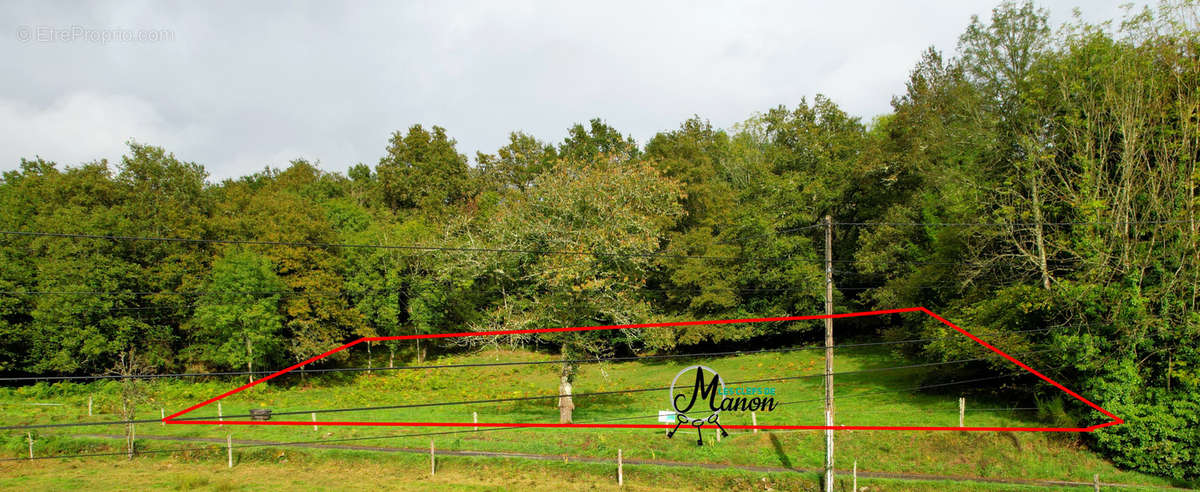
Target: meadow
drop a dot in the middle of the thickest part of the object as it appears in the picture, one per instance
(878, 395)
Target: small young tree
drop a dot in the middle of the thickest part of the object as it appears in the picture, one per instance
(129, 367)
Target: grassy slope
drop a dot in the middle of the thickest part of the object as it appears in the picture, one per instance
(1013, 455)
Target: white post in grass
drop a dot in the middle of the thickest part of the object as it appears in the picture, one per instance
(314, 418)
(962, 411)
(229, 448)
(1096, 482)
(717, 431)
(754, 421)
(162, 416)
(220, 415)
(620, 469)
(89, 405)
(854, 477)
(432, 463)
(29, 436)
(132, 438)
(475, 419)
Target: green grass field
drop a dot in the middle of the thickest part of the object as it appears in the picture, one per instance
(330, 471)
(875, 398)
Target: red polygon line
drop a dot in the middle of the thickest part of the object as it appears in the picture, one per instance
(171, 419)
(1116, 419)
(646, 426)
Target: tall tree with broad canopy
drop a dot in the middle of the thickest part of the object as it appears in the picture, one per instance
(607, 204)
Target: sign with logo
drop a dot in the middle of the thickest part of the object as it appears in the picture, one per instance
(706, 397)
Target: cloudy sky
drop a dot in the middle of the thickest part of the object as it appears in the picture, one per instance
(240, 86)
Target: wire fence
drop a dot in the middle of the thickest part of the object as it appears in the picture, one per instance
(495, 429)
(536, 397)
(591, 360)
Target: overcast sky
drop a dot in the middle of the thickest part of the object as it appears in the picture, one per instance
(244, 85)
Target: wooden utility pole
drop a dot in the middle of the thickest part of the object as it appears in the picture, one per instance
(828, 354)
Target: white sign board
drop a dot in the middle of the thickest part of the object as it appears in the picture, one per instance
(666, 416)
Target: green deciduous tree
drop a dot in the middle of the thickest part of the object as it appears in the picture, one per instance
(238, 320)
(423, 170)
(597, 206)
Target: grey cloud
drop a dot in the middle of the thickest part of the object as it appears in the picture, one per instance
(245, 85)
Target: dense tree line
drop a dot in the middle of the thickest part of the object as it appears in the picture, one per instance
(1036, 178)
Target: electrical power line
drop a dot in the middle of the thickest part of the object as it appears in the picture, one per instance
(1008, 224)
(346, 293)
(921, 387)
(518, 398)
(493, 429)
(310, 244)
(293, 443)
(739, 239)
(500, 364)
(661, 254)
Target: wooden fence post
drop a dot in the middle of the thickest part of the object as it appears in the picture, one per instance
(962, 411)
(162, 414)
(432, 463)
(229, 448)
(314, 418)
(1096, 482)
(620, 469)
(854, 477)
(29, 436)
(220, 415)
(754, 421)
(475, 419)
(89, 405)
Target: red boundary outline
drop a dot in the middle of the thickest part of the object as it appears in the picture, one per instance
(171, 419)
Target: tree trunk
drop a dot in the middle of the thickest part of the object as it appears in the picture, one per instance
(250, 360)
(565, 404)
(1040, 235)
